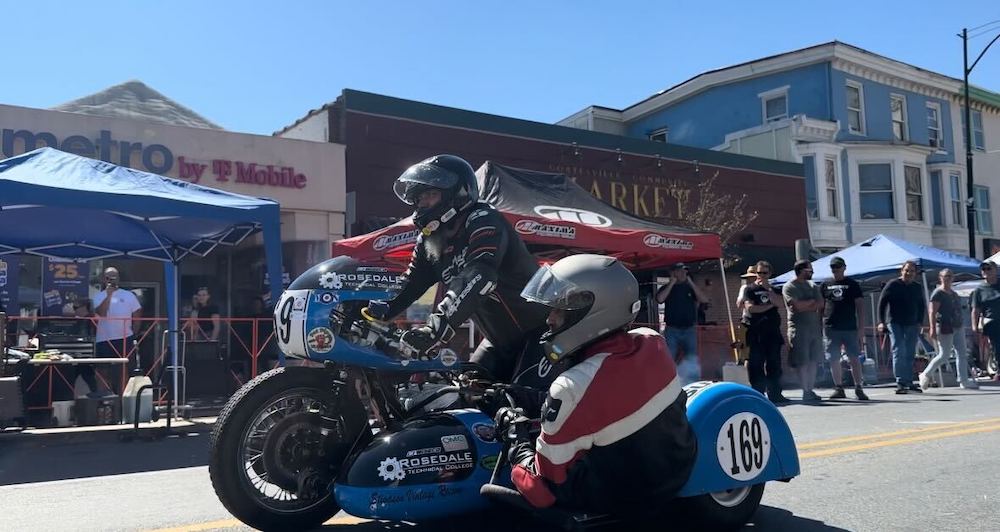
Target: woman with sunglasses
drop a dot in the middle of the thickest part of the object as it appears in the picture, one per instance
(764, 335)
(945, 317)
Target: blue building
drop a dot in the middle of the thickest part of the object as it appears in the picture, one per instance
(879, 139)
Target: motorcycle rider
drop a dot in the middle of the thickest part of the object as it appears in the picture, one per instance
(466, 243)
(614, 431)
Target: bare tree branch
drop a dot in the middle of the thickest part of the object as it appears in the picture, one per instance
(720, 213)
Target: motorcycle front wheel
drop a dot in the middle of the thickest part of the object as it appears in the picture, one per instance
(278, 444)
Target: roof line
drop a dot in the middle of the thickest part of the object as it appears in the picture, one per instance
(376, 104)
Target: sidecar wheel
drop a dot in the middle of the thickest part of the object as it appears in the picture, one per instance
(270, 462)
(725, 510)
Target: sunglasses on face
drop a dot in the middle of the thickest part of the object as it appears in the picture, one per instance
(763, 273)
(836, 267)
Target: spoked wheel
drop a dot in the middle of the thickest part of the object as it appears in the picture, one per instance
(277, 446)
(727, 509)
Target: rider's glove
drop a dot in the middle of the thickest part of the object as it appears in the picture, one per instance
(418, 341)
(512, 425)
(378, 310)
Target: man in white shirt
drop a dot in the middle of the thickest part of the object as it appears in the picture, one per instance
(118, 307)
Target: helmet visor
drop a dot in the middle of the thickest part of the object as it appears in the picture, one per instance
(419, 178)
(551, 291)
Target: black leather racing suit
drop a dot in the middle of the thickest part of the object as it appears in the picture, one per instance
(484, 265)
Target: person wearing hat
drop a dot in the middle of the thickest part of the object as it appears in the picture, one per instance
(741, 332)
(680, 298)
(986, 309)
(843, 320)
(764, 335)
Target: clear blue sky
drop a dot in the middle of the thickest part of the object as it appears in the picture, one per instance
(258, 66)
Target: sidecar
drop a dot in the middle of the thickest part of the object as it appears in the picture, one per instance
(435, 465)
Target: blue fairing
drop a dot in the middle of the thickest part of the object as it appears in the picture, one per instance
(402, 500)
(715, 409)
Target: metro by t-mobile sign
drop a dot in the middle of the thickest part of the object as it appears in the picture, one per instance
(155, 158)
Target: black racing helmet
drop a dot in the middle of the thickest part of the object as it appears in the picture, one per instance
(452, 175)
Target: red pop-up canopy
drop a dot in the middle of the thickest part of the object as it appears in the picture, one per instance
(555, 217)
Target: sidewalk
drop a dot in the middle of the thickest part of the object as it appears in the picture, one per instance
(96, 433)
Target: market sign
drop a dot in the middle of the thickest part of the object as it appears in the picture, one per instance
(155, 158)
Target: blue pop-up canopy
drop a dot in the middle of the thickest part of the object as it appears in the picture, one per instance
(55, 204)
(882, 256)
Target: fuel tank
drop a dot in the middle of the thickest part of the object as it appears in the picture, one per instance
(432, 467)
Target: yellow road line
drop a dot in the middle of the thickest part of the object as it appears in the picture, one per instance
(888, 439)
(899, 441)
(943, 426)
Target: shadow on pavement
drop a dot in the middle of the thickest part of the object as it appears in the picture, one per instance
(771, 518)
(27, 458)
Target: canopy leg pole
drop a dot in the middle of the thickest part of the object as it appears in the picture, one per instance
(729, 311)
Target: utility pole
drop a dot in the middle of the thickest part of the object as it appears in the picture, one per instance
(970, 219)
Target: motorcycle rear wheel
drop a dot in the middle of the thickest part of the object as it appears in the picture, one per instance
(267, 445)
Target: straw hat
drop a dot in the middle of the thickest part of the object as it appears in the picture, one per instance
(751, 272)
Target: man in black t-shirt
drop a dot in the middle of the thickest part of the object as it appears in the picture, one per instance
(986, 309)
(764, 338)
(844, 326)
(681, 298)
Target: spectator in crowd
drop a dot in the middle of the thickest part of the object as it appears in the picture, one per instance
(680, 298)
(117, 307)
(944, 318)
(205, 320)
(741, 331)
(805, 331)
(903, 300)
(764, 335)
(986, 311)
(844, 326)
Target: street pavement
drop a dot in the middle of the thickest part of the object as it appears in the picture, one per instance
(913, 462)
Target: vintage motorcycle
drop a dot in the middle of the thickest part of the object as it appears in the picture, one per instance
(298, 444)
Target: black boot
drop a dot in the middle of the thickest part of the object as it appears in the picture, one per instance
(774, 393)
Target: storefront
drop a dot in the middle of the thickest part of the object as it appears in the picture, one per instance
(652, 180)
(306, 178)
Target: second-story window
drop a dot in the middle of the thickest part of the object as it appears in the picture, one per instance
(774, 104)
(957, 199)
(934, 138)
(914, 194)
(897, 108)
(875, 182)
(978, 139)
(855, 108)
(830, 172)
(984, 221)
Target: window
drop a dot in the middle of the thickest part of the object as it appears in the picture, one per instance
(812, 203)
(855, 108)
(830, 171)
(774, 104)
(934, 137)
(875, 182)
(914, 194)
(937, 207)
(897, 108)
(659, 135)
(984, 222)
(957, 201)
(979, 140)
